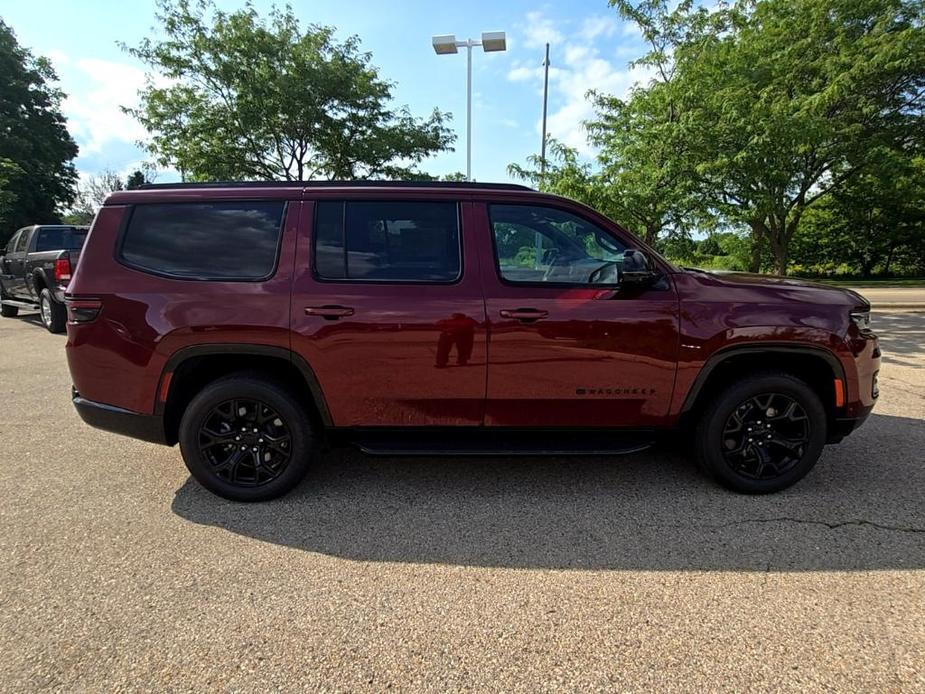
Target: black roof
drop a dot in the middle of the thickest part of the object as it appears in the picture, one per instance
(335, 184)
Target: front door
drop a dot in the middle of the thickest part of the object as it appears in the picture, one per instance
(387, 309)
(568, 348)
(16, 266)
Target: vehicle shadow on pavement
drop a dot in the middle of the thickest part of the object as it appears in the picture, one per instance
(861, 508)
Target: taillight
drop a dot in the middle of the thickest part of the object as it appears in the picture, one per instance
(63, 270)
(82, 310)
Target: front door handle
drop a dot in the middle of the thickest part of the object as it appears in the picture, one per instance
(329, 312)
(525, 315)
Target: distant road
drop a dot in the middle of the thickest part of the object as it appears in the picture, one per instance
(896, 297)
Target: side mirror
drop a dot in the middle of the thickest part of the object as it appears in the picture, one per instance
(638, 270)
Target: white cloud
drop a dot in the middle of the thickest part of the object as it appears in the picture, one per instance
(577, 67)
(94, 114)
(592, 27)
(540, 30)
(57, 57)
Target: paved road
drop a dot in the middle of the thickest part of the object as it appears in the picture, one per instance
(117, 572)
(896, 296)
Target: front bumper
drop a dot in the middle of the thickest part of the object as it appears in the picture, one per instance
(120, 421)
(840, 427)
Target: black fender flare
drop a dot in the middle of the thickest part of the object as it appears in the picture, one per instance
(214, 349)
(724, 353)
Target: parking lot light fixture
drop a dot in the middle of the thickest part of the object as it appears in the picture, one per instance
(491, 42)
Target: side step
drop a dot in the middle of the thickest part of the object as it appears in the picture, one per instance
(28, 305)
(481, 442)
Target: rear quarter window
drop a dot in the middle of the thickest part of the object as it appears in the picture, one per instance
(220, 240)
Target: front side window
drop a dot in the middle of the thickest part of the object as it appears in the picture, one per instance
(219, 240)
(387, 241)
(535, 244)
(11, 244)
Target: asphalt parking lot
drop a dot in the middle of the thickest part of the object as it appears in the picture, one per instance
(118, 572)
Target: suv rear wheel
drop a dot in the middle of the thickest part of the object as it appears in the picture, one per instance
(246, 438)
(762, 434)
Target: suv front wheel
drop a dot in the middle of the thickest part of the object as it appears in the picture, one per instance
(246, 438)
(762, 434)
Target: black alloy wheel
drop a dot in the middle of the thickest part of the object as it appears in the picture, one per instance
(761, 433)
(247, 437)
(766, 436)
(245, 442)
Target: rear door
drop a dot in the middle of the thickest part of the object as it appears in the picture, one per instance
(387, 309)
(567, 351)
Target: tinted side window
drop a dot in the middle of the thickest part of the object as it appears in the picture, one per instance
(23, 240)
(220, 240)
(545, 244)
(58, 238)
(387, 241)
(11, 244)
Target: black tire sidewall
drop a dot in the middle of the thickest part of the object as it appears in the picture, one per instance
(58, 313)
(276, 396)
(710, 429)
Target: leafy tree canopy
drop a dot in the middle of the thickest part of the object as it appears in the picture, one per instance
(787, 100)
(752, 114)
(234, 97)
(36, 173)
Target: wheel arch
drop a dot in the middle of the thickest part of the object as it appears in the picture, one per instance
(39, 281)
(189, 369)
(818, 366)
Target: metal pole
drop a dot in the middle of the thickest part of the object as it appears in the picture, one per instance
(545, 96)
(469, 110)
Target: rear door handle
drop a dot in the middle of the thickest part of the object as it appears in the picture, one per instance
(526, 315)
(329, 312)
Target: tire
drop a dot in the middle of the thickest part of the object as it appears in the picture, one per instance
(224, 460)
(748, 451)
(9, 311)
(54, 315)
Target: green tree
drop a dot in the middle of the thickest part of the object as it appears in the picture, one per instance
(642, 175)
(794, 98)
(874, 223)
(237, 97)
(91, 194)
(641, 140)
(36, 173)
(138, 178)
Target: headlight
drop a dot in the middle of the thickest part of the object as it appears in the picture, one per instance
(861, 319)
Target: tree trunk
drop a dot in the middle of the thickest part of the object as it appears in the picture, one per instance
(651, 234)
(780, 258)
(889, 258)
(758, 239)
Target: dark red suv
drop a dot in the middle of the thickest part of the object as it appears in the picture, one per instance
(256, 323)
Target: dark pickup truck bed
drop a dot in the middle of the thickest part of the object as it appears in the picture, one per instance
(35, 269)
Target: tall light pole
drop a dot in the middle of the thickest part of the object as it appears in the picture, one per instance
(446, 44)
(545, 98)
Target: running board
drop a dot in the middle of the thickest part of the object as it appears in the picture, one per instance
(508, 443)
(20, 304)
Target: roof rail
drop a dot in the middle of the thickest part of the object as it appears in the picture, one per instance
(334, 184)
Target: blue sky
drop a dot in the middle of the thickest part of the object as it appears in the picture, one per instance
(591, 49)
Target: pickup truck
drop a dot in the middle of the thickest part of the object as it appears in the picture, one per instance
(35, 269)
